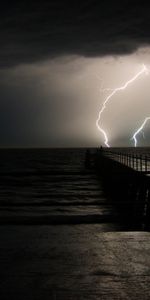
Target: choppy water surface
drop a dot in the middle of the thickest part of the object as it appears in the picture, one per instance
(86, 261)
(50, 184)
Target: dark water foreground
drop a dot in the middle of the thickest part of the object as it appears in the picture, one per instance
(61, 236)
(50, 187)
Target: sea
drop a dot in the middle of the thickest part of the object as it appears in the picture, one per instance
(60, 237)
(52, 186)
(47, 186)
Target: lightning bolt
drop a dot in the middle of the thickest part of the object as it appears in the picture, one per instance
(139, 130)
(114, 91)
(143, 134)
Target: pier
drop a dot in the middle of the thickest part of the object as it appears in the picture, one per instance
(74, 225)
(126, 180)
(132, 159)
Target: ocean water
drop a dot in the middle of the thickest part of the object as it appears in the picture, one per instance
(87, 255)
(49, 185)
(46, 186)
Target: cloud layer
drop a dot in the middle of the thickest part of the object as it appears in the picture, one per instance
(56, 103)
(37, 30)
(54, 57)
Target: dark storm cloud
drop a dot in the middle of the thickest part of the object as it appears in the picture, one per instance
(36, 30)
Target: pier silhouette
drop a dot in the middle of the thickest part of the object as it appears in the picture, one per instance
(126, 183)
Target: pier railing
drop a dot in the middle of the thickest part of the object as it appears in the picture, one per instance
(129, 182)
(132, 160)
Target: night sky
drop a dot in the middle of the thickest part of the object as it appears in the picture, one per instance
(55, 59)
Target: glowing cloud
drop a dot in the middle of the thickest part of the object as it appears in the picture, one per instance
(144, 70)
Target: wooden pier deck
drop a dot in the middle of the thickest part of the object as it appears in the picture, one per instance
(75, 237)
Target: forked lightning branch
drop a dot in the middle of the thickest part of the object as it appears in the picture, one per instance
(145, 71)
